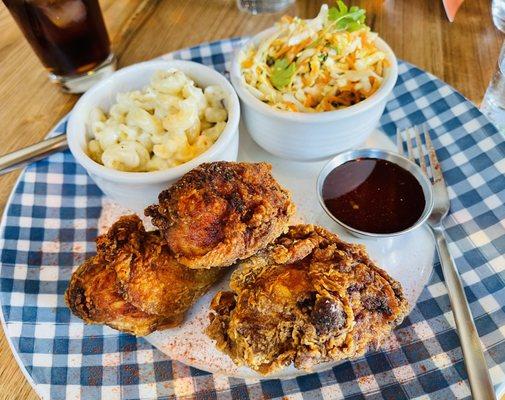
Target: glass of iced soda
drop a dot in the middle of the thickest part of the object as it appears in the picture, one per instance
(69, 37)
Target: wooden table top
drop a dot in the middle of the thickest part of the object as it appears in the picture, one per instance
(462, 53)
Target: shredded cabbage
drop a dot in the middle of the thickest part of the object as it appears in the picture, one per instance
(323, 64)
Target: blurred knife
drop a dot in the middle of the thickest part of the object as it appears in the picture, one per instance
(35, 152)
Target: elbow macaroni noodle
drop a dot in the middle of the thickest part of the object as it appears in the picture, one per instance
(167, 123)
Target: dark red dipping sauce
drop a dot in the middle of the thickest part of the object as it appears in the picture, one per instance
(373, 195)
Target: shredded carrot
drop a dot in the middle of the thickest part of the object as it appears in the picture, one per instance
(304, 61)
(324, 78)
(309, 101)
(291, 106)
(331, 98)
(283, 50)
(294, 50)
(286, 19)
(369, 48)
(247, 63)
(342, 99)
(348, 87)
(306, 80)
(351, 59)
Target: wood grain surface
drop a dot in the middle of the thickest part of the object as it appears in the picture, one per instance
(462, 53)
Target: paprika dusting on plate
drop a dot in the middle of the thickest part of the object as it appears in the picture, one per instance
(373, 195)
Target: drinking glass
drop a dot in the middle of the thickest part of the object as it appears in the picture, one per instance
(498, 13)
(263, 6)
(493, 103)
(69, 37)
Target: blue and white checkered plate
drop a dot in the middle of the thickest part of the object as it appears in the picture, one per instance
(56, 211)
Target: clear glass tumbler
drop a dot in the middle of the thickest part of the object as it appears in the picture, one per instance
(264, 6)
(69, 37)
(493, 103)
(498, 13)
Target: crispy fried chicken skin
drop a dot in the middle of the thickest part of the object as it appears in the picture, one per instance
(93, 295)
(149, 276)
(134, 284)
(221, 212)
(307, 298)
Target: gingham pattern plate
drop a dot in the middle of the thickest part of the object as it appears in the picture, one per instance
(51, 221)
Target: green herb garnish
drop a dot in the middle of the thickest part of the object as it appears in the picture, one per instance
(349, 19)
(322, 57)
(282, 72)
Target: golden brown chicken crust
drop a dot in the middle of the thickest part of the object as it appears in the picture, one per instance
(306, 299)
(149, 276)
(93, 295)
(134, 284)
(221, 212)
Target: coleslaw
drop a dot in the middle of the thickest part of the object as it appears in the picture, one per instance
(323, 64)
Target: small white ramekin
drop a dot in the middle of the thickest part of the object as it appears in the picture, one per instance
(136, 190)
(311, 136)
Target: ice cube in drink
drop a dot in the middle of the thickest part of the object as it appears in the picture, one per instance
(69, 36)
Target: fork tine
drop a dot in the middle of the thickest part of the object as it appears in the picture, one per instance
(436, 171)
(422, 162)
(410, 151)
(399, 141)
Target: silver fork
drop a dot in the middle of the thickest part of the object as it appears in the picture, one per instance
(477, 370)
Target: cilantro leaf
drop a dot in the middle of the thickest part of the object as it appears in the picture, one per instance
(335, 12)
(322, 57)
(282, 72)
(350, 19)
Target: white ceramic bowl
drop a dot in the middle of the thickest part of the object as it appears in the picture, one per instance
(136, 190)
(311, 136)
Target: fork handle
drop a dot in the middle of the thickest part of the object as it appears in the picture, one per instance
(476, 367)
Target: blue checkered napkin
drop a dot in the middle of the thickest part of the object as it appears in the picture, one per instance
(51, 221)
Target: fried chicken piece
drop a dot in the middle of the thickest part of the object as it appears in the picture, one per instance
(93, 295)
(148, 275)
(307, 298)
(134, 284)
(221, 212)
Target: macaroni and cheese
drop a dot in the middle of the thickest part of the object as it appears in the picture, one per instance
(167, 123)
